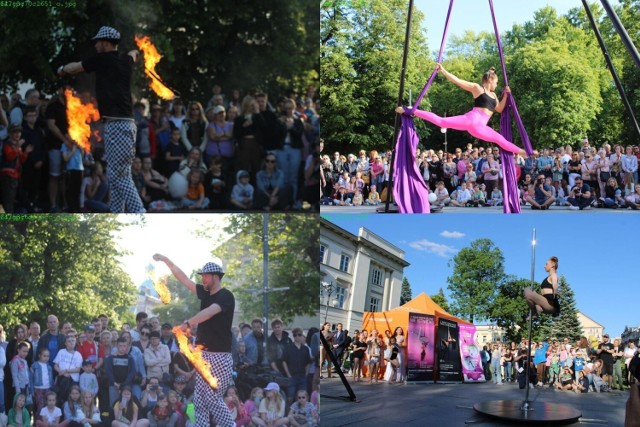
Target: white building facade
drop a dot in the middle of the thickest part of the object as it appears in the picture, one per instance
(358, 274)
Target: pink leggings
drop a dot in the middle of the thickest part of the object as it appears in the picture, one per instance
(474, 122)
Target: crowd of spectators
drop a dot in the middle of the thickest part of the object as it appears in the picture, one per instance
(580, 367)
(579, 179)
(242, 152)
(136, 376)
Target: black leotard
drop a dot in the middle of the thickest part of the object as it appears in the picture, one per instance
(485, 101)
(546, 284)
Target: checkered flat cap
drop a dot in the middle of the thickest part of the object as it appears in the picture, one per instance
(107, 33)
(211, 268)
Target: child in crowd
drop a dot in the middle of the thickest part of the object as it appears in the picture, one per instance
(565, 381)
(88, 380)
(242, 192)
(582, 385)
(73, 406)
(174, 153)
(89, 409)
(357, 198)
(195, 199)
(252, 404)
(216, 180)
(442, 194)
(359, 182)
(41, 379)
(478, 197)
(374, 197)
(633, 200)
(162, 414)
(272, 408)
(351, 187)
(496, 197)
(176, 405)
(49, 414)
(126, 411)
(302, 412)
(374, 349)
(13, 157)
(343, 181)
(72, 156)
(341, 198)
(18, 414)
(462, 196)
(20, 370)
(628, 185)
(238, 411)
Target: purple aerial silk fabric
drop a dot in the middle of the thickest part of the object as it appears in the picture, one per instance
(409, 189)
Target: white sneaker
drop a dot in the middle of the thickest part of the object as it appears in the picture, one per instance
(573, 208)
(587, 208)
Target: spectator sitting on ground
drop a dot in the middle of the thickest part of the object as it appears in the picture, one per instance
(242, 192)
(496, 198)
(442, 195)
(193, 161)
(543, 198)
(612, 195)
(195, 199)
(478, 196)
(462, 196)
(271, 192)
(374, 197)
(580, 196)
(341, 198)
(357, 198)
(633, 200)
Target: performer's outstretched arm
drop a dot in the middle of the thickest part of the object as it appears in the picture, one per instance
(179, 274)
(71, 68)
(474, 88)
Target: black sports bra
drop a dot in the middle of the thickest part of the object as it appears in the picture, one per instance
(485, 101)
(545, 284)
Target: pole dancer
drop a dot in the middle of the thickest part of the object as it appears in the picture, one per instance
(485, 103)
(113, 91)
(546, 300)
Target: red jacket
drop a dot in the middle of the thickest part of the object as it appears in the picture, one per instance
(12, 159)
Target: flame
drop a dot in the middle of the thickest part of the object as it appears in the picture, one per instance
(151, 59)
(194, 355)
(160, 285)
(79, 116)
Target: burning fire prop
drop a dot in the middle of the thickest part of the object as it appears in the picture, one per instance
(160, 285)
(194, 355)
(79, 116)
(151, 59)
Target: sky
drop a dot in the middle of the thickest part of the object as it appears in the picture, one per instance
(171, 235)
(475, 15)
(593, 256)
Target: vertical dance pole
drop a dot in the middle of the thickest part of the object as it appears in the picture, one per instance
(612, 69)
(525, 404)
(396, 128)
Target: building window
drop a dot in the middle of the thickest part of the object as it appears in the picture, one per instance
(344, 263)
(340, 295)
(374, 304)
(323, 250)
(376, 277)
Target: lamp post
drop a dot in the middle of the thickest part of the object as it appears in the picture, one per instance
(444, 130)
(328, 289)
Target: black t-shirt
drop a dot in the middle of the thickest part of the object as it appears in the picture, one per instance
(215, 333)
(607, 358)
(58, 112)
(113, 82)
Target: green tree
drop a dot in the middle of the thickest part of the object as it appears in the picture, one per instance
(405, 294)
(361, 56)
(65, 265)
(271, 44)
(510, 310)
(294, 251)
(477, 270)
(567, 324)
(441, 300)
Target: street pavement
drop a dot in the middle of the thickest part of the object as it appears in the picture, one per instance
(526, 210)
(425, 405)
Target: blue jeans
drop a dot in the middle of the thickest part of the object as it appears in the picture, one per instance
(495, 368)
(2, 408)
(289, 163)
(296, 383)
(507, 371)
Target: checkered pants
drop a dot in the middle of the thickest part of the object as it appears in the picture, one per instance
(208, 402)
(120, 149)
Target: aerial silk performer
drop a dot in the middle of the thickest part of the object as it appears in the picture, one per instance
(410, 196)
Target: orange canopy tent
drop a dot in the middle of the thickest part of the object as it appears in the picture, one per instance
(399, 316)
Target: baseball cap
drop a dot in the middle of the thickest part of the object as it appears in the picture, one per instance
(272, 386)
(211, 268)
(218, 109)
(605, 336)
(107, 33)
(180, 379)
(14, 127)
(90, 328)
(166, 326)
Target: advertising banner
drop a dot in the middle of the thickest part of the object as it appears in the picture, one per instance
(420, 347)
(470, 355)
(448, 353)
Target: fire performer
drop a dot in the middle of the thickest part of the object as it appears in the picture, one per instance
(113, 90)
(214, 322)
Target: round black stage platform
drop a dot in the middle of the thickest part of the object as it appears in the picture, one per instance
(539, 412)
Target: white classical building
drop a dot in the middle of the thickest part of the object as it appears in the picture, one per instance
(358, 274)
